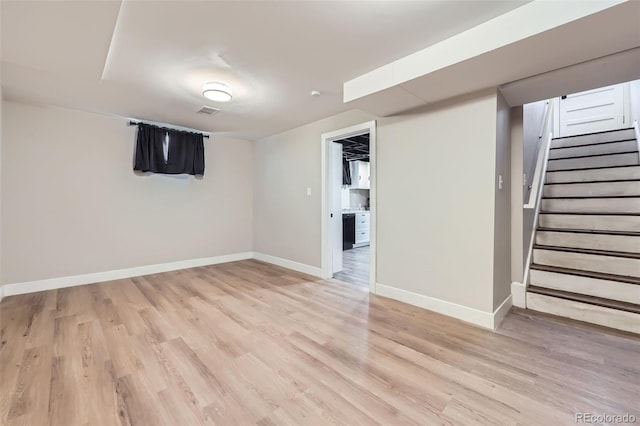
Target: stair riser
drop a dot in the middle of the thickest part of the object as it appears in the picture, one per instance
(588, 262)
(599, 189)
(607, 317)
(592, 205)
(605, 148)
(622, 243)
(606, 289)
(590, 222)
(595, 138)
(614, 160)
(618, 173)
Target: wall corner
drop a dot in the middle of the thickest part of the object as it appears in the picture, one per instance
(519, 294)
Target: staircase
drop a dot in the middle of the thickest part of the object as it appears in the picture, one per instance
(586, 253)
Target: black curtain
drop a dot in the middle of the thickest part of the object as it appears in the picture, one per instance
(346, 173)
(185, 154)
(149, 154)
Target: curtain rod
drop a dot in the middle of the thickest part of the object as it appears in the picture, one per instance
(133, 123)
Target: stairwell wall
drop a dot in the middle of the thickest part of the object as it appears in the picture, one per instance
(634, 100)
(518, 248)
(502, 206)
(533, 121)
(1, 283)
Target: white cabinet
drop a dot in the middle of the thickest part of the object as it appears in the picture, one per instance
(362, 229)
(360, 176)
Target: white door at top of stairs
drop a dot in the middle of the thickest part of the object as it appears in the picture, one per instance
(592, 111)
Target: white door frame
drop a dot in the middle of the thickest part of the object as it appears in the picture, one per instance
(326, 140)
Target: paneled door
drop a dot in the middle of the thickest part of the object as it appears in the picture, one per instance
(592, 111)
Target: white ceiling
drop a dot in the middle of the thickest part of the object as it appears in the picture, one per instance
(553, 52)
(149, 59)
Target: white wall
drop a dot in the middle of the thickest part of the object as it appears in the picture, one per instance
(286, 220)
(502, 215)
(436, 171)
(73, 205)
(436, 198)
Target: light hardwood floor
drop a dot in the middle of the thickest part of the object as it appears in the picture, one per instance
(355, 266)
(250, 343)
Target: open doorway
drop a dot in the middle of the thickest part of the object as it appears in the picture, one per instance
(355, 201)
(348, 205)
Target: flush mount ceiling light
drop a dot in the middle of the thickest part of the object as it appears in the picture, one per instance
(216, 91)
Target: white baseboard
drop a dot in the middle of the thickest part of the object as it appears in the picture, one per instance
(484, 319)
(502, 311)
(97, 277)
(289, 264)
(519, 294)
